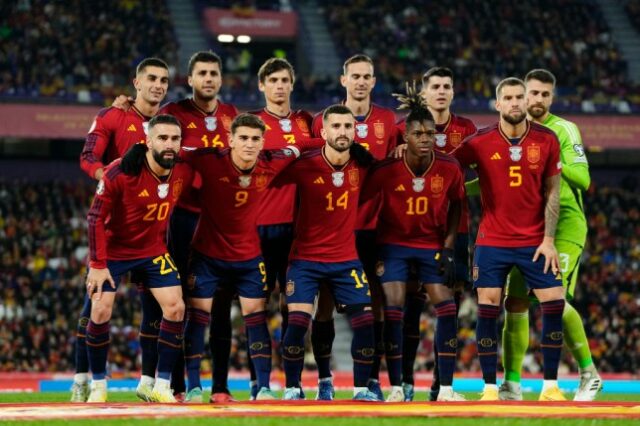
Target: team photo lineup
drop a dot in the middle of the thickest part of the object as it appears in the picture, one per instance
(349, 211)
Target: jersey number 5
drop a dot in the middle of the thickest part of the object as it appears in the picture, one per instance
(515, 176)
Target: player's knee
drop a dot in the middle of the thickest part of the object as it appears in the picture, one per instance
(101, 312)
(174, 311)
(394, 299)
(515, 304)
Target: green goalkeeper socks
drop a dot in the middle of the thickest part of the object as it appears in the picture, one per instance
(575, 337)
(515, 341)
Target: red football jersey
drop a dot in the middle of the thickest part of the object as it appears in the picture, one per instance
(449, 136)
(112, 133)
(200, 129)
(327, 208)
(414, 208)
(378, 133)
(512, 183)
(277, 206)
(227, 229)
(129, 214)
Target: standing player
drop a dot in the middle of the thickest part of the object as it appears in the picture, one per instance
(518, 164)
(422, 196)
(112, 133)
(452, 129)
(284, 127)
(226, 245)
(570, 239)
(205, 122)
(329, 183)
(376, 131)
(127, 226)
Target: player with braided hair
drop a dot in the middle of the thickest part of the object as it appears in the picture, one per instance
(422, 194)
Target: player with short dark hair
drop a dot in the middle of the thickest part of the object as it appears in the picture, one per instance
(452, 129)
(329, 183)
(284, 127)
(375, 130)
(226, 245)
(422, 195)
(127, 226)
(112, 133)
(569, 241)
(205, 122)
(518, 165)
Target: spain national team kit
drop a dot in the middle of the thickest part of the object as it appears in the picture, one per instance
(128, 223)
(512, 174)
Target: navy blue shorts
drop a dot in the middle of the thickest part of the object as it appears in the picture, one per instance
(461, 258)
(398, 263)
(207, 274)
(275, 243)
(182, 226)
(153, 272)
(491, 265)
(347, 281)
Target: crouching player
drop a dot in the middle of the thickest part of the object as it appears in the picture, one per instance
(422, 195)
(127, 227)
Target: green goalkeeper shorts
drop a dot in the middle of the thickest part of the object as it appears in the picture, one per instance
(569, 254)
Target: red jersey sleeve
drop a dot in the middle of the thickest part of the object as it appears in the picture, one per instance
(97, 141)
(106, 192)
(456, 191)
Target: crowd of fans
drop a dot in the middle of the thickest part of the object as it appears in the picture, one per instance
(43, 249)
(86, 51)
(485, 41)
(77, 50)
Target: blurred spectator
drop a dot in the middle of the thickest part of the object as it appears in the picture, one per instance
(55, 48)
(484, 42)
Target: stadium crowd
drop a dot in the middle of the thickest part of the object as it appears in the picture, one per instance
(43, 249)
(571, 37)
(483, 41)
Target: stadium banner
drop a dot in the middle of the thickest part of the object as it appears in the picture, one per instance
(254, 23)
(33, 121)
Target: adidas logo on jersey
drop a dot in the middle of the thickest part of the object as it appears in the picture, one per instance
(496, 156)
(131, 128)
(319, 180)
(224, 179)
(144, 193)
(399, 188)
(192, 125)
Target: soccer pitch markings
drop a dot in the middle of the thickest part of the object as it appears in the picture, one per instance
(527, 409)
